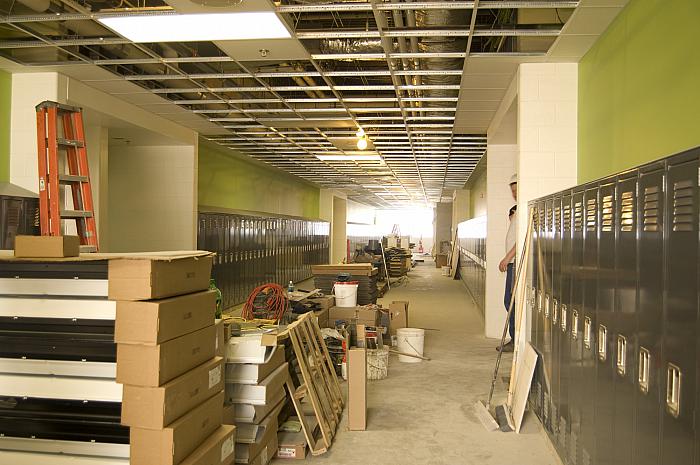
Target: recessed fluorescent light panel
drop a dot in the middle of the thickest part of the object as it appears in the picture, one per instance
(198, 27)
(349, 157)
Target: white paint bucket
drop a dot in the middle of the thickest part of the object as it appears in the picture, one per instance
(345, 294)
(410, 342)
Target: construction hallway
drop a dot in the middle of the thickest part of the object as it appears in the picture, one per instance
(423, 412)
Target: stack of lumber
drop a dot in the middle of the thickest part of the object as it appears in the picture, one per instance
(167, 345)
(325, 276)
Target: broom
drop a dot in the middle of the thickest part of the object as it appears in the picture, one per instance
(481, 409)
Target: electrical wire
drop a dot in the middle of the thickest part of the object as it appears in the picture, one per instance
(267, 301)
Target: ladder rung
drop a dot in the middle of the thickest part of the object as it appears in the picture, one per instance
(68, 178)
(70, 143)
(75, 214)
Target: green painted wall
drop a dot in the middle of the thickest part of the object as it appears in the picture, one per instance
(227, 181)
(5, 106)
(639, 88)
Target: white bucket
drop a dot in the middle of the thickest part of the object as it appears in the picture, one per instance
(345, 294)
(445, 270)
(410, 342)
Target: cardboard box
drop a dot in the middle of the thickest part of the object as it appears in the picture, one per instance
(172, 444)
(357, 269)
(229, 414)
(217, 449)
(157, 321)
(266, 454)
(249, 413)
(323, 303)
(47, 246)
(291, 445)
(252, 433)
(357, 389)
(159, 276)
(246, 452)
(220, 346)
(250, 349)
(155, 365)
(322, 318)
(157, 407)
(260, 394)
(254, 373)
(398, 311)
(353, 315)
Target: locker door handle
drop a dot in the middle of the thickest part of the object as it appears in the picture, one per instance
(546, 305)
(587, 332)
(621, 354)
(574, 325)
(644, 363)
(673, 390)
(562, 322)
(602, 343)
(539, 301)
(555, 311)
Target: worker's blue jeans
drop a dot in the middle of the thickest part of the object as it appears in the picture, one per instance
(506, 300)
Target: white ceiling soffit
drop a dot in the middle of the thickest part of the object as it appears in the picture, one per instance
(423, 79)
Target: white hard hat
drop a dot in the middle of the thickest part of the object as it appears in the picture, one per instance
(513, 179)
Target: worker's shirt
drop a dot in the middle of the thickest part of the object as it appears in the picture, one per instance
(512, 232)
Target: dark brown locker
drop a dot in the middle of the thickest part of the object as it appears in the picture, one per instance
(680, 310)
(576, 391)
(589, 283)
(605, 356)
(624, 314)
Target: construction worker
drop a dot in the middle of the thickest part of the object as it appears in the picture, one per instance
(507, 265)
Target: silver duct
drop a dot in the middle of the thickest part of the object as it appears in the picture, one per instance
(431, 19)
(334, 46)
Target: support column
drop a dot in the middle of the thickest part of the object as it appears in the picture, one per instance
(339, 249)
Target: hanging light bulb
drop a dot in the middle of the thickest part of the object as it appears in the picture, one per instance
(362, 143)
(360, 133)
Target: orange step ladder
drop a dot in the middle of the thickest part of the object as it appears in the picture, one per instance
(53, 175)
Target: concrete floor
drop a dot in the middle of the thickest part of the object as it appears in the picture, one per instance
(422, 412)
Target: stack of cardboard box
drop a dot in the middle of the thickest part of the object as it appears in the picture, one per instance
(166, 359)
(255, 377)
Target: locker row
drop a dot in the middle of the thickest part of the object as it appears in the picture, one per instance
(613, 304)
(251, 251)
(471, 244)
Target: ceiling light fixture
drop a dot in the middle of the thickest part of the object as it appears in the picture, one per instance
(362, 143)
(368, 157)
(198, 27)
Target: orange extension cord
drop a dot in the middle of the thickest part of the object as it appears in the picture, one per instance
(273, 306)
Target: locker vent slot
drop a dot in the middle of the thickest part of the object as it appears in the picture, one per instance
(643, 374)
(627, 212)
(557, 219)
(683, 206)
(607, 217)
(673, 390)
(591, 214)
(587, 332)
(567, 217)
(578, 216)
(574, 325)
(621, 361)
(541, 221)
(602, 343)
(651, 209)
(562, 322)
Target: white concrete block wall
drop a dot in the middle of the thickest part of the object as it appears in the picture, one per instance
(546, 134)
(150, 199)
(500, 166)
(28, 90)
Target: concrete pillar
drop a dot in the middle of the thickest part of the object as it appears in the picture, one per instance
(442, 230)
(339, 250)
(499, 169)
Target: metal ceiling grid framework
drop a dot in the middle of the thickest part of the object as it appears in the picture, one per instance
(391, 67)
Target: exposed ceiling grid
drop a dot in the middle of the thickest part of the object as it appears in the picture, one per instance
(414, 75)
